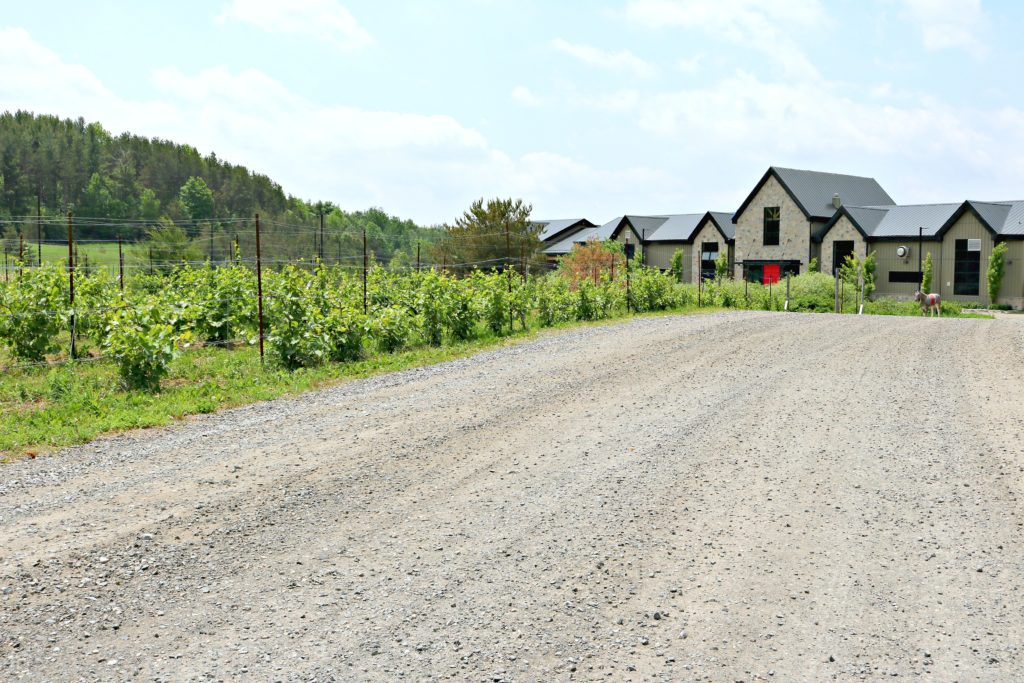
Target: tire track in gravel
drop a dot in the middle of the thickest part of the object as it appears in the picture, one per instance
(712, 498)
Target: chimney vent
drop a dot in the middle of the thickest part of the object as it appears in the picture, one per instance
(836, 200)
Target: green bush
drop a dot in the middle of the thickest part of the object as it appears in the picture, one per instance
(390, 328)
(141, 344)
(295, 320)
(996, 270)
(33, 311)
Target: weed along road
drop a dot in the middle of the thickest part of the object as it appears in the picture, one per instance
(736, 496)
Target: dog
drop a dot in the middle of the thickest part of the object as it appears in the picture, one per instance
(930, 303)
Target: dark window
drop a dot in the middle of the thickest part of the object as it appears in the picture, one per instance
(708, 256)
(840, 250)
(967, 268)
(772, 220)
(906, 276)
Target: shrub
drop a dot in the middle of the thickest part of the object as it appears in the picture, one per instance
(141, 345)
(676, 265)
(33, 311)
(390, 328)
(295, 320)
(996, 270)
(926, 274)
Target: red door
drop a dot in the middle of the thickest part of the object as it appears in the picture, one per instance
(771, 274)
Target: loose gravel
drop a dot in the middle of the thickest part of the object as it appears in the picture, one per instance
(740, 496)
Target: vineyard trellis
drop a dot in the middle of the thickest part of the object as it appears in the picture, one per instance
(141, 315)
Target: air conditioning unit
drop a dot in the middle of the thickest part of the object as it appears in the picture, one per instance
(903, 252)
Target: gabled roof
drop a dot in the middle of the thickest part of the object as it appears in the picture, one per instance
(813, 191)
(724, 222)
(552, 230)
(676, 228)
(1002, 219)
(601, 232)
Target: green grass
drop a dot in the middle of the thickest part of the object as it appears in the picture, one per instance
(94, 253)
(43, 408)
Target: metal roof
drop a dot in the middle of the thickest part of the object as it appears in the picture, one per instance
(645, 226)
(725, 224)
(552, 229)
(565, 245)
(674, 228)
(895, 221)
(813, 191)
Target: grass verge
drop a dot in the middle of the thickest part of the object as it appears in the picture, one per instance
(46, 408)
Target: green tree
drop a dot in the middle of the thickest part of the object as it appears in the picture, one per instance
(722, 266)
(996, 270)
(494, 234)
(170, 245)
(197, 198)
(926, 275)
(812, 266)
(676, 265)
(149, 205)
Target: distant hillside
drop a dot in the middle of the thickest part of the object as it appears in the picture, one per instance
(71, 164)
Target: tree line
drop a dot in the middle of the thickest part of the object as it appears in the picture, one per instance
(192, 207)
(53, 165)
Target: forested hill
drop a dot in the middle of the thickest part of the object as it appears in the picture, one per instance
(129, 179)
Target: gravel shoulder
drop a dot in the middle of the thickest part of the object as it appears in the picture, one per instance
(736, 496)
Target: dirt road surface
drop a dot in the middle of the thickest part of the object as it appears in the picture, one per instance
(729, 497)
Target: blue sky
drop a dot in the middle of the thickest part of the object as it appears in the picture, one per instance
(593, 108)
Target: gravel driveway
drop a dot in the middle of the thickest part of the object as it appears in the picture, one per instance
(738, 496)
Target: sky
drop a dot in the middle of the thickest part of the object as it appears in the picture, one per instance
(583, 108)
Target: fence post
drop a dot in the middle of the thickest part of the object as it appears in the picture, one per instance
(39, 231)
(151, 260)
(21, 254)
(259, 285)
(120, 263)
(786, 306)
(837, 310)
(321, 234)
(860, 311)
(417, 256)
(71, 278)
(365, 266)
(508, 274)
(5, 264)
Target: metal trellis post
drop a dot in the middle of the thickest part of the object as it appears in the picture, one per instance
(259, 285)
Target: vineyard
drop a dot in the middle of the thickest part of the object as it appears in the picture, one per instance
(87, 350)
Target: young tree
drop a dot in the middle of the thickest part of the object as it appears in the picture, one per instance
(996, 270)
(197, 198)
(593, 261)
(926, 275)
(496, 234)
(170, 244)
(149, 205)
(721, 267)
(676, 265)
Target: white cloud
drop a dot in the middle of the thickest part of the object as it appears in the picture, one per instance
(622, 61)
(762, 25)
(522, 95)
(691, 65)
(428, 167)
(325, 20)
(957, 24)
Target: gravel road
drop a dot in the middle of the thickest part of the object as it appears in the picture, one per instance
(728, 497)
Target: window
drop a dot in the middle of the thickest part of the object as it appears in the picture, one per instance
(840, 250)
(769, 271)
(708, 256)
(967, 268)
(906, 276)
(772, 220)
